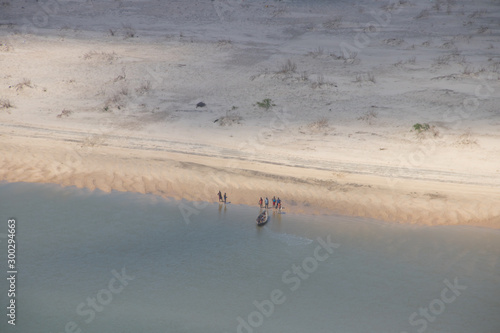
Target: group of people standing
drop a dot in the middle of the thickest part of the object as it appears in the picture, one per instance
(222, 199)
(276, 202)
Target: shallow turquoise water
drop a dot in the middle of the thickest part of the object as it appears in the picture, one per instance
(124, 262)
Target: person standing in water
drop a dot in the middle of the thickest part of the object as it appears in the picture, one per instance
(225, 197)
(260, 202)
(274, 202)
(220, 196)
(267, 202)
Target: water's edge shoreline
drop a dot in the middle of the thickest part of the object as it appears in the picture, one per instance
(303, 191)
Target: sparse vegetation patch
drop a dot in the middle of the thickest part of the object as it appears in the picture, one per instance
(365, 77)
(334, 23)
(64, 113)
(320, 82)
(442, 60)
(423, 14)
(24, 83)
(102, 56)
(320, 125)
(423, 130)
(94, 140)
(410, 61)
(349, 57)
(287, 68)
(229, 120)
(5, 104)
(144, 87)
(369, 116)
(421, 127)
(467, 139)
(318, 52)
(129, 32)
(266, 104)
(393, 41)
(224, 42)
(4, 47)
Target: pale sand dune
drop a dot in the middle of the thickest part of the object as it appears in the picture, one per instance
(103, 96)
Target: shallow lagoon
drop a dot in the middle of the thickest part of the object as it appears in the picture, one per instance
(125, 262)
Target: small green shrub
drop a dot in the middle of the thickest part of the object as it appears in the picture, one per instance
(266, 103)
(421, 127)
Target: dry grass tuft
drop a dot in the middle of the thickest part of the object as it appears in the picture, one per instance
(318, 52)
(393, 41)
(334, 23)
(369, 116)
(448, 45)
(101, 56)
(94, 140)
(319, 125)
(350, 58)
(224, 42)
(24, 83)
(320, 81)
(478, 13)
(229, 120)
(5, 104)
(442, 60)
(123, 91)
(5, 47)
(304, 77)
(482, 29)
(410, 61)
(64, 113)
(365, 77)
(129, 32)
(144, 87)
(287, 68)
(423, 14)
(118, 99)
(467, 139)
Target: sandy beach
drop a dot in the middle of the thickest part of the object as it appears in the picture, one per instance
(379, 109)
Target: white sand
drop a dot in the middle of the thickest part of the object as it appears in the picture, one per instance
(111, 88)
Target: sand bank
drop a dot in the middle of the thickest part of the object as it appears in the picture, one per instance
(198, 177)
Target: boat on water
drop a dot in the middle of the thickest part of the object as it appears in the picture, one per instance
(262, 218)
